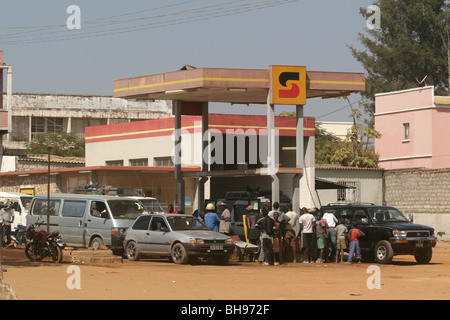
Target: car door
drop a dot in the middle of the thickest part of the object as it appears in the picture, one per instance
(141, 234)
(159, 237)
(364, 223)
(98, 222)
(71, 224)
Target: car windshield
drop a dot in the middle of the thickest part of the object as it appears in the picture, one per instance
(179, 223)
(386, 215)
(151, 205)
(125, 209)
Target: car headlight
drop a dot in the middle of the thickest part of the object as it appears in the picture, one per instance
(197, 241)
(229, 241)
(399, 233)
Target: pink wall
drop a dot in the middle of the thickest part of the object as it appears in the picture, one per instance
(407, 99)
(429, 143)
(441, 138)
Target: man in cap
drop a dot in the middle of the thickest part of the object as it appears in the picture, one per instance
(225, 218)
(211, 219)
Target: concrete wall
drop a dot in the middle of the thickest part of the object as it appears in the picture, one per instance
(422, 194)
(368, 182)
(77, 112)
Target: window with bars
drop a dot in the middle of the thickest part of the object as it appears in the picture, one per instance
(114, 163)
(139, 162)
(349, 195)
(163, 162)
(40, 125)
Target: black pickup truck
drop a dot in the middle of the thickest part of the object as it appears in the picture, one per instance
(387, 232)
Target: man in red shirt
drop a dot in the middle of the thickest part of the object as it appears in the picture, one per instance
(354, 235)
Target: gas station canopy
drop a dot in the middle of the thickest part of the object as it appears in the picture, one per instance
(246, 86)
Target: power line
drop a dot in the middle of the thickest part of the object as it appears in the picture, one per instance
(192, 15)
(339, 109)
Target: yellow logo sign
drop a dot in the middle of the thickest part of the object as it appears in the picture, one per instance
(287, 85)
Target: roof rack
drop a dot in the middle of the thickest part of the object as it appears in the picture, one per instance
(349, 203)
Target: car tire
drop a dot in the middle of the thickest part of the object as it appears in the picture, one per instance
(384, 252)
(132, 251)
(423, 256)
(96, 243)
(179, 254)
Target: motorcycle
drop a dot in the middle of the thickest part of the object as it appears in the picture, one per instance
(43, 244)
(19, 235)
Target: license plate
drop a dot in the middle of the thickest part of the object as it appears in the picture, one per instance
(216, 247)
(419, 243)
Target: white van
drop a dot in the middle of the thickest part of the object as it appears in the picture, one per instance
(87, 220)
(21, 209)
(150, 204)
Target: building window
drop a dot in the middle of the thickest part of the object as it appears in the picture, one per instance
(406, 131)
(54, 124)
(40, 125)
(163, 162)
(37, 125)
(349, 195)
(139, 162)
(115, 163)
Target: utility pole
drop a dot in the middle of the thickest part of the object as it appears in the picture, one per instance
(49, 149)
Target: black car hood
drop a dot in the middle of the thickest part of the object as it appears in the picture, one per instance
(404, 226)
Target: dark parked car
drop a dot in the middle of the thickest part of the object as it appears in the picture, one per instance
(387, 232)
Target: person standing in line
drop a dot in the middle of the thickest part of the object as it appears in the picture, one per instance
(354, 235)
(321, 231)
(267, 227)
(307, 225)
(280, 221)
(290, 236)
(341, 242)
(211, 219)
(331, 235)
(225, 218)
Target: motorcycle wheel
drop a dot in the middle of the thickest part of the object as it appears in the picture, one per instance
(33, 253)
(56, 253)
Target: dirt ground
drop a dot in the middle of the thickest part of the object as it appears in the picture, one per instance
(160, 279)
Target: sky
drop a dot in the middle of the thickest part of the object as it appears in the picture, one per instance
(121, 39)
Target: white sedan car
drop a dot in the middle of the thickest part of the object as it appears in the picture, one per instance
(179, 237)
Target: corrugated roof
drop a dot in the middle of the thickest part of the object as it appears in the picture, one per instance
(339, 167)
(53, 159)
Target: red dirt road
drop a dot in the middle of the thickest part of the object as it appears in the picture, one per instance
(160, 279)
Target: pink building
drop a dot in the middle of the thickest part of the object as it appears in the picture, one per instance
(415, 128)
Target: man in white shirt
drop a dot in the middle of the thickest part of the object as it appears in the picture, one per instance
(307, 225)
(290, 235)
(331, 235)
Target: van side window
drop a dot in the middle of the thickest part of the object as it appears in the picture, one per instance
(73, 209)
(40, 207)
(142, 223)
(97, 207)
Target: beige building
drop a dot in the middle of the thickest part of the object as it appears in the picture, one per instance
(33, 113)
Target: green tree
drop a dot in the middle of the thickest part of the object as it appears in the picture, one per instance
(356, 151)
(63, 144)
(410, 44)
